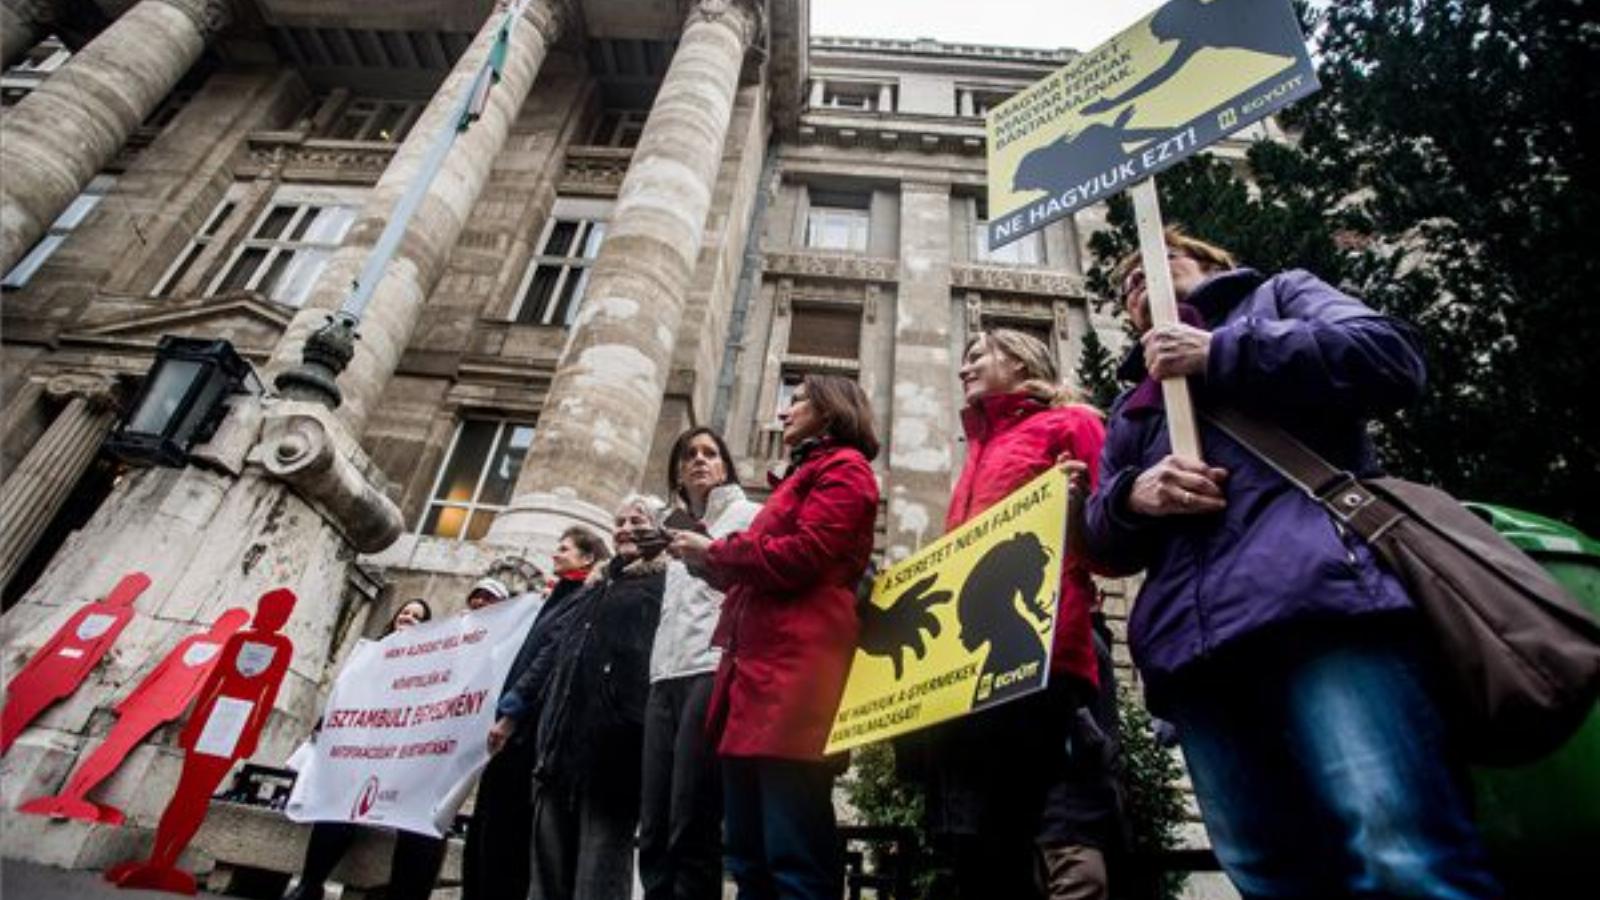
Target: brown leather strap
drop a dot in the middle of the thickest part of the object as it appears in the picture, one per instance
(1340, 492)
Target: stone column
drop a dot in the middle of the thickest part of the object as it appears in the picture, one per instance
(23, 24)
(33, 492)
(923, 424)
(68, 128)
(595, 429)
(419, 261)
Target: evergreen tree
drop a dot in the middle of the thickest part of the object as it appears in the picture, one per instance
(1446, 173)
(1097, 372)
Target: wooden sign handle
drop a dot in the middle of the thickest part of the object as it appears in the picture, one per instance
(1181, 428)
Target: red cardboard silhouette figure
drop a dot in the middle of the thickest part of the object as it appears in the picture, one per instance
(162, 696)
(67, 658)
(227, 721)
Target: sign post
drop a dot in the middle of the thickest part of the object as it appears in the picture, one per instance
(1181, 429)
(1174, 82)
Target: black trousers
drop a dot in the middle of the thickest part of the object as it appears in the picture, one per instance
(412, 871)
(495, 861)
(583, 841)
(680, 817)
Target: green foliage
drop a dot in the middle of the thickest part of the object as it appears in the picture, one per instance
(883, 799)
(1152, 801)
(1446, 173)
(1097, 371)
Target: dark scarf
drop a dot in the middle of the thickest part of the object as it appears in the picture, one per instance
(1147, 396)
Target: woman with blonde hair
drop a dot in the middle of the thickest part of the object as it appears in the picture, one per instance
(1008, 827)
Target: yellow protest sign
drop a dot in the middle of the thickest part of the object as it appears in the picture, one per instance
(964, 624)
(1181, 78)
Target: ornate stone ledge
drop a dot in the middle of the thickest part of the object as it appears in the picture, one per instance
(297, 157)
(841, 266)
(594, 171)
(1006, 279)
(885, 131)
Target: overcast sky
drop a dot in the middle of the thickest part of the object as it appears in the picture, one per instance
(1079, 24)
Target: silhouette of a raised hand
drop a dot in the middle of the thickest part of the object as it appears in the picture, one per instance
(891, 632)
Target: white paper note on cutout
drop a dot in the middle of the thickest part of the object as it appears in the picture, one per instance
(223, 728)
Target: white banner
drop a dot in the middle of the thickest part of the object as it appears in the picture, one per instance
(405, 731)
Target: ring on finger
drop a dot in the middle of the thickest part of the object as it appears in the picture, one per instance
(1187, 498)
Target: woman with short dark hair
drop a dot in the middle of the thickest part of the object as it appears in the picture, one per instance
(788, 631)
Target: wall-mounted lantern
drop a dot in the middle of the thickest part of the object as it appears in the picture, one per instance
(181, 402)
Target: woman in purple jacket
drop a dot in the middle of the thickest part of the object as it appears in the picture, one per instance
(1290, 661)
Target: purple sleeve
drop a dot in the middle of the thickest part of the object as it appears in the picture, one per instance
(1326, 350)
(1117, 539)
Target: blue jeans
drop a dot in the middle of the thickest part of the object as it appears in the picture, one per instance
(781, 839)
(1323, 768)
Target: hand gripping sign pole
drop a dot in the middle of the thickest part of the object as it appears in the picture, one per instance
(1163, 306)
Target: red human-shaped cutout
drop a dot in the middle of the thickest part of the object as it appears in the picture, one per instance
(68, 657)
(162, 696)
(227, 722)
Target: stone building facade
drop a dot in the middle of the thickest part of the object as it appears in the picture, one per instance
(666, 214)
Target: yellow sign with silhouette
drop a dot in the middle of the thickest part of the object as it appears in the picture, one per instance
(1181, 78)
(964, 624)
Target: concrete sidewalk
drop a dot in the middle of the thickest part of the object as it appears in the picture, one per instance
(31, 881)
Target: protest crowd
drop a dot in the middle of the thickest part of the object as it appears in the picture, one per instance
(672, 699)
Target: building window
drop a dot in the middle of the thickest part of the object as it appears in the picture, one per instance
(70, 219)
(857, 96)
(477, 478)
(788, 382)
(32, 69)
(838, 221)
(552, 289)
(372, 119)
(619, 128)
(289, 244)
(985, 101)
(833, 332)
(197, 245)
(1027, 250)
(1043, 329)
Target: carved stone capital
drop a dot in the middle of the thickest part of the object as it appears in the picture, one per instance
(210, 17)
(743, 16)
(99, 391)
(551, 18)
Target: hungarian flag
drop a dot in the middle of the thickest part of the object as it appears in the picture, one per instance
(489, 75)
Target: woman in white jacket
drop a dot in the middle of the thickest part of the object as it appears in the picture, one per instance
(680, 824)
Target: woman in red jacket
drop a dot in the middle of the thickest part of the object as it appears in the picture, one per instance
(788, 631)
(1002, 791)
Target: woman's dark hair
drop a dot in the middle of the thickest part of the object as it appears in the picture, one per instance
(427, 613)
(845, 410)
(588, 543)
(680, 449)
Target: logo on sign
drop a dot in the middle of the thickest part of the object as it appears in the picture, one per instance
(1227, 118)
(365, 800)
